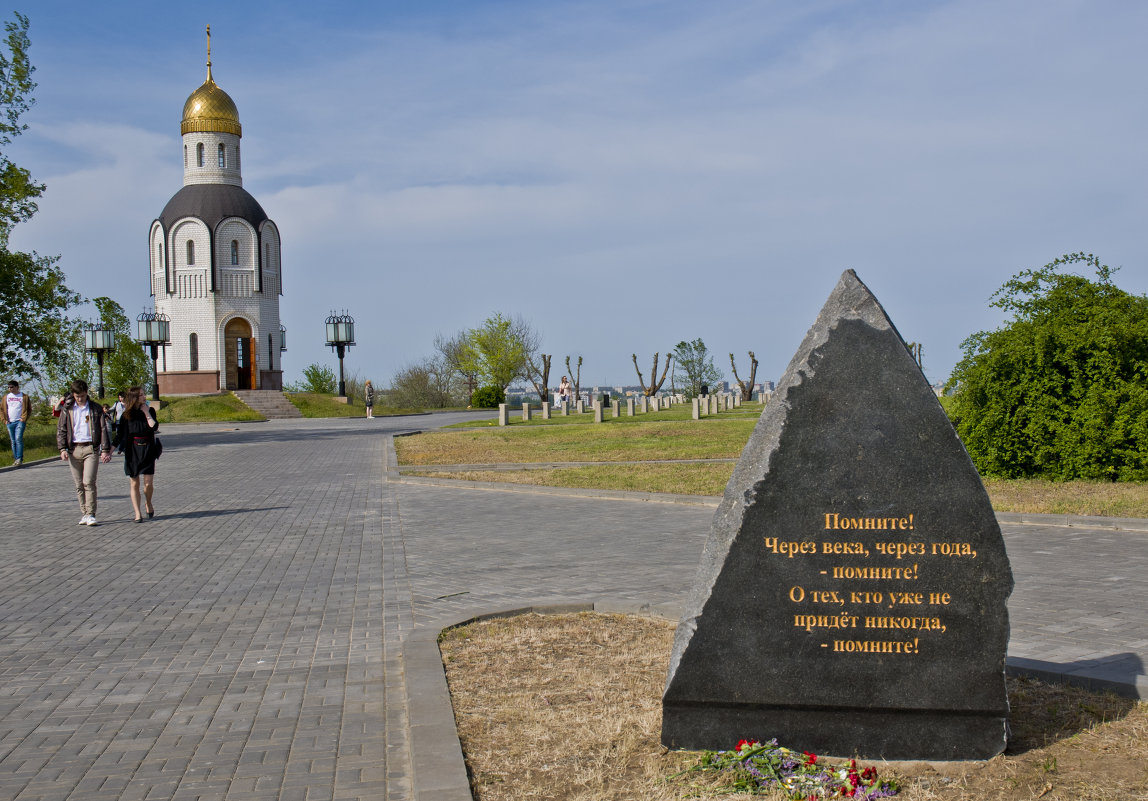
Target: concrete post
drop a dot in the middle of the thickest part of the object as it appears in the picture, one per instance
(566, 409)
(597, 411)
(545, 410)
(696, 410)
(616, 406)
(643, 404)
(630, 407)
(503, 415)
(581, 406)
(525, 412)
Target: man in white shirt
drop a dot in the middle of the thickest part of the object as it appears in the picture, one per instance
(81, 434)
(17, 410)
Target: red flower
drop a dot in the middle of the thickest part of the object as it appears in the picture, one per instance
(746, 744)
(810, 759)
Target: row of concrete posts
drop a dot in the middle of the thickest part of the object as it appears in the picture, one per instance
(704, 406)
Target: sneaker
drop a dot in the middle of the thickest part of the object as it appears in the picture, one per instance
(18, 462)
(84, 520)
(92, 520)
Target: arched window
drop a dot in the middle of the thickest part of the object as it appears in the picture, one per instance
(185, 155)
(193, 351)
(222, 156)
(267, 255)
(234, 252)
(190, 252)
(199, 155)
(270, 353)
(237, 156)
(159, 255)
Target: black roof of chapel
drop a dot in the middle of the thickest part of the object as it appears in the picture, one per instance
(212, 203)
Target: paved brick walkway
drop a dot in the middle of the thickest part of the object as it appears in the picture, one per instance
(270, 635)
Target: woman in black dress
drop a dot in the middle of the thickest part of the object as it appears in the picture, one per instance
(136, 437)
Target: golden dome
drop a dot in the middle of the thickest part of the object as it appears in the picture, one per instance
(209, 108)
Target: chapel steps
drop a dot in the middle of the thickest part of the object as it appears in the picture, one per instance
(271, 403)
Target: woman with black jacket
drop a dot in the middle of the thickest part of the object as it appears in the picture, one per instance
(136, 437)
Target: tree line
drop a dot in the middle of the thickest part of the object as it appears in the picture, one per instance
(40, 342)
(475, 367)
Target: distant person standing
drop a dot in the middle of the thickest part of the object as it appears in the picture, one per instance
(117, 413)
(17, 410)
(369, 399)
(564, 391)
(84, 441)
(136, 438)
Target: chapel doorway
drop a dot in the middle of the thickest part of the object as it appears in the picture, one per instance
(239, 345)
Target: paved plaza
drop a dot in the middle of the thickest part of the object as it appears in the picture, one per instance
(270, 634)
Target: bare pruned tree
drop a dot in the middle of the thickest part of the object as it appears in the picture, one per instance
(538, 371)
(577, 377)
(453, 352)
(653, 388)
(746, 386)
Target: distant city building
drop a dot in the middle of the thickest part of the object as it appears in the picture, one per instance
(215, 262)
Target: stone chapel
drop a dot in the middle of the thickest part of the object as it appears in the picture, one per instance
(215, 263)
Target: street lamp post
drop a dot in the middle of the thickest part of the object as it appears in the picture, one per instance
(340, 336)
(99, 340)
(153, 330)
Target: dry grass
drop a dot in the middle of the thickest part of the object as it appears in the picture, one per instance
(1069, 497)
(567, 707)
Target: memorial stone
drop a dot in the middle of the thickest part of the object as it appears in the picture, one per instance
(696, 411)
(851, 597)
(503, 415)
(566, 409)
(616, 407)
(629, 407)
(581, 406)
(525, 411)
(643, 403)
(545, 411)
(597, 411)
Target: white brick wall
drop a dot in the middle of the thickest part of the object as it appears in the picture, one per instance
(210, 172)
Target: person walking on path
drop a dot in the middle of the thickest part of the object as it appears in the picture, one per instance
(564, 392)
(17, 410)
(136, 438)
(84, 441)
(369, 399)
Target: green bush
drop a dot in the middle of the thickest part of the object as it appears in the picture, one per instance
(1061, 391)
(487, 397)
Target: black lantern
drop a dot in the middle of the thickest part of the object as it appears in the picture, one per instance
(153, 330)
(282, 338)
(340, 336)
(99, 340)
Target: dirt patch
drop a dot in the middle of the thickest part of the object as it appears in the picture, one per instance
(568, 707)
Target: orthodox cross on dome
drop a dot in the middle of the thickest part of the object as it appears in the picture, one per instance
(209, 54)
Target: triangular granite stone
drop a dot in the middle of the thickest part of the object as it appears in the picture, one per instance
(851, 595)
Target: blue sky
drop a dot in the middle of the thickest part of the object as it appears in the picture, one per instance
(624, 175)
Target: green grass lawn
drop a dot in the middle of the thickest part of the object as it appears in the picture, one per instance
(206, 409)
(315, 404)
(659, 438)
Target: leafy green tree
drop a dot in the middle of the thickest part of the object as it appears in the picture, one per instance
(316, 378)
(498, 351)
(697, 365)
(1061, 391)
(18, 192)
(34, 326)
(128, 365)
(34, 299)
